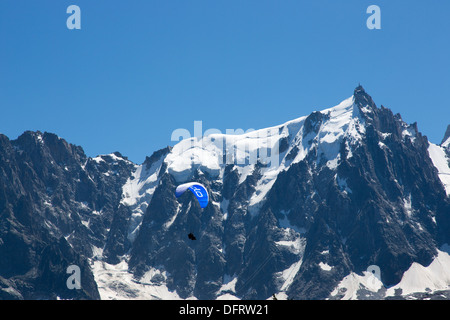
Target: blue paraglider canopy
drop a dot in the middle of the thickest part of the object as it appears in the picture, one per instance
(197, 189)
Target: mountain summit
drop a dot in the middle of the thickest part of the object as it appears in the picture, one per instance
(308, 209)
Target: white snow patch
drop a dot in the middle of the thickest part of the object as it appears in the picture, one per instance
(419, 278)
(227, 296)
(39, 138)
(407, 206)
(138, 192)
(354, 282)
(98, 159)
(440, 161)
(344, 121)
(325, 266)
(97, 252)
(85, 223)
(289, 274)
(229, 283)
(409, 132)
(228, 289)
(294, 243)
(416, 279)
(116, 283)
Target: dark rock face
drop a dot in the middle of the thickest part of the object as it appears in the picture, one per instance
(383, 205)
(338, 205)
(55, 206)
(369, 226)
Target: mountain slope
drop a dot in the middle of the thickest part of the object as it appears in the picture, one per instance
(339, 190)
(56, 205)
(301, 210)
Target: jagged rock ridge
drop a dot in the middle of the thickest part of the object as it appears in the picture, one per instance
(296, 210)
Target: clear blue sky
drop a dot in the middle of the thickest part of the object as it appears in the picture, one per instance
(139, 69)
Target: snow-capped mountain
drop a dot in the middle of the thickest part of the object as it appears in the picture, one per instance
(303, 210)
(56, 206)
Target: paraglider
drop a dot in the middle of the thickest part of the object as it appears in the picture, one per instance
(199, 192)
(197, 189)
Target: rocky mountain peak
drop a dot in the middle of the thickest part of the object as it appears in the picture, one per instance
(363, 99)
(353, 187)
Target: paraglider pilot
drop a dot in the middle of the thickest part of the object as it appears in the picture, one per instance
(191, 236)
(200, 193)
